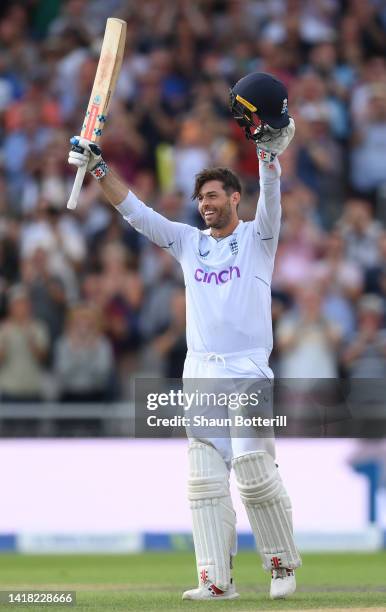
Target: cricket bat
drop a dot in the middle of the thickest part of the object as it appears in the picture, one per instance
(109, 65)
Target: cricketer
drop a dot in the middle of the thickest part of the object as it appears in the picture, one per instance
(227, 270)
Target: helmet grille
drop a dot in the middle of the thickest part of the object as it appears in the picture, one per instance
(255, 129)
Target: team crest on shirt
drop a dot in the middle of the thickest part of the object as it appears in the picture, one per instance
(234, 247)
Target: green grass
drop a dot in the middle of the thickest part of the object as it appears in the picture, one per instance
(155, 581)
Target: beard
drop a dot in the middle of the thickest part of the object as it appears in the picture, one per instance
(221, 217)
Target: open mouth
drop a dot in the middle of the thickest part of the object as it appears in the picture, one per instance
(209, 214)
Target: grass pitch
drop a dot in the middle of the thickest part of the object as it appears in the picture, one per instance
(155, 581)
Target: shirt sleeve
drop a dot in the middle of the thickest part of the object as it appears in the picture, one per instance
(268, 213)
(168, 235)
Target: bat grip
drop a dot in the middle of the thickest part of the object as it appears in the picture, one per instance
(77, 186)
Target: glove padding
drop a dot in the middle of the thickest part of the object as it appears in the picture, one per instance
(269, 150)
(84, 152)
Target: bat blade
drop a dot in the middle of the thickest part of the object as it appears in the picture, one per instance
(109, 65)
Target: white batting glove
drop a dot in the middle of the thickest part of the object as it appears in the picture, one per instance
(86, 153)
(268, 150)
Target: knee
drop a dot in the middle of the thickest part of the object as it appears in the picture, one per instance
(256, 477)
(208, 473)
(244, 446)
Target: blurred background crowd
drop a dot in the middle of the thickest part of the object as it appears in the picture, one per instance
(86, 303)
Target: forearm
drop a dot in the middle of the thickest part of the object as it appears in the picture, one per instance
(113, 188)
(270, 190)
(166, 234)
(269, 173)
(158, 229)
(268, 208)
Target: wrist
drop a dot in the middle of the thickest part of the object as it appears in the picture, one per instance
(100, 170)
(269, 171)
(267, 157)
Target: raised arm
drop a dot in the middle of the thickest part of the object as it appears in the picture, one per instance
(166, 234)
(268, 212)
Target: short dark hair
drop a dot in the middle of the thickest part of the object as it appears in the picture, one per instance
(229, 180)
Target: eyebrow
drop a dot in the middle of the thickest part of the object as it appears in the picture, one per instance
(207, 193)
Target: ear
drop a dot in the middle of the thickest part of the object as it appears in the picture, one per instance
(235, 198)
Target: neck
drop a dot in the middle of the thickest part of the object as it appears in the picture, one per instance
(223, 232)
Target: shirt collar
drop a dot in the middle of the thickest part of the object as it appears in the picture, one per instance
(235, 231)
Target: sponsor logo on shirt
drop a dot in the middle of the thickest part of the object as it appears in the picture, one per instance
(217, 278)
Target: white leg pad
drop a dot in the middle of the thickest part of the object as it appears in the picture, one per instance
(268, 508)
(286, 502)
(214, 519)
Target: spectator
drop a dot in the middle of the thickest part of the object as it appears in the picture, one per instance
(123, 143)
(298, 247)
(170, 344)
(342, 283)
(23, 348)
(122, 295)
(191, 155)
(155, 312)
(83, 359)
(307, 341)
(120, 278)
(370, 26)
(9, 253)
(46, 291)
(361, 233)
(61, 237)
(152, 117)
(337, 78)
(371, 72)
(23, 147)
(365, 355)
(368, 171)
(376, 275)
(319, 162)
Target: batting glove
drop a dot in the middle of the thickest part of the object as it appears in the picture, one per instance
(274, 144)
(86, 153)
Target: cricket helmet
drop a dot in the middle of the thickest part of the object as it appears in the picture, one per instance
(259, 100)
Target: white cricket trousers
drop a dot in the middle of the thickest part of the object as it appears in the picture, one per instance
(239, 369)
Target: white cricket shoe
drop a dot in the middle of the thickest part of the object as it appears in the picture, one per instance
(283, 583)
(210, 591)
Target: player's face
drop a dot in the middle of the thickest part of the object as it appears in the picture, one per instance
(215, 205)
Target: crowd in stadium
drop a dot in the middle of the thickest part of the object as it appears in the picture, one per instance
(85, 301)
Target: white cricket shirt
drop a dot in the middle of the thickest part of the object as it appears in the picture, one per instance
(228, 281)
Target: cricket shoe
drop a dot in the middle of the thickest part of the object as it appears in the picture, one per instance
(283, 583)
(208, 590)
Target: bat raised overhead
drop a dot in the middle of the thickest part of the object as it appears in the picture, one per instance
(109, 64)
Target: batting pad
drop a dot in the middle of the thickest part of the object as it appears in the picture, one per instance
(214, 519)
(268, 508)
(285, 501)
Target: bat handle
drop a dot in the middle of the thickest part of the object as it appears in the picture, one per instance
(77, 186)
